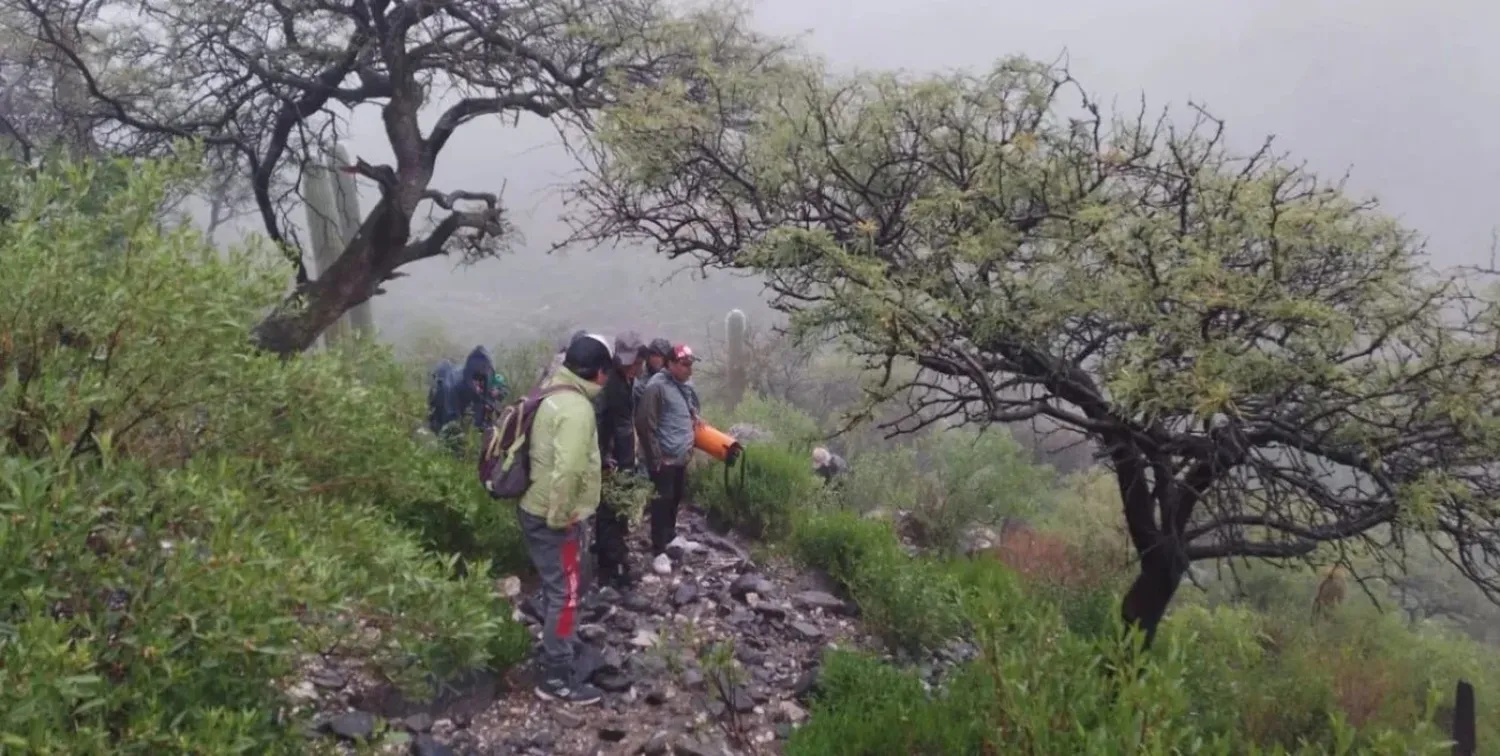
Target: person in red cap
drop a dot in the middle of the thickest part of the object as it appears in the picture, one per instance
(665, 421)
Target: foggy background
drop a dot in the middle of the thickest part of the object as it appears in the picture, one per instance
(1402, 93)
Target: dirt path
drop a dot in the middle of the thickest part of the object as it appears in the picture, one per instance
(714, 659)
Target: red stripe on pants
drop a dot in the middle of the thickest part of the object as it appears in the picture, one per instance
(570, 579)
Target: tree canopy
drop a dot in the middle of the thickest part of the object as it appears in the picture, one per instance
(1266, 363)
(264, 86)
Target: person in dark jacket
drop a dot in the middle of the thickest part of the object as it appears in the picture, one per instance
(474, 391)
(615, 416)
(657, 354)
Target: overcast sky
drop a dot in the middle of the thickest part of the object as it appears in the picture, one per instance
(1402, 93)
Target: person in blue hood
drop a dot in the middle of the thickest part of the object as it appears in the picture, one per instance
(476, 391)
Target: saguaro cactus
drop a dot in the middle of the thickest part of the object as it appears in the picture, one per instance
(323, 231)
(333, 218)
(346, 199)
(736, 376)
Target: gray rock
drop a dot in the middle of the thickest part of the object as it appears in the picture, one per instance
(351, 725)
(819, 600)
(544, 739)
(328, 678)
(772, 611)
(592, 633)
(612, 682)
(426, 745)
(750, 583)
(419, 722)
(658, 744)
(567, 719)
(685, 594)
(692, 678)
(686, 745)
(635, 602)
(741, 700)
(807, 630)
(749, 656)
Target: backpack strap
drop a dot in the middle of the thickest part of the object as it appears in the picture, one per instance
(533, 403)
(688, 400)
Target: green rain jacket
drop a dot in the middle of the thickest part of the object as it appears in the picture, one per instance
(565, 465)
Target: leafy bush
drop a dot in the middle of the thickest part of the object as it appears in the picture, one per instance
(182, 519)
(911, 603)
(758, 500)
(1039, 688)
(976, 478)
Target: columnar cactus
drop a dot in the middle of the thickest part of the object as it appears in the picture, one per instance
(333, 218)
(736, 370)
(323, 230)
(346, 199)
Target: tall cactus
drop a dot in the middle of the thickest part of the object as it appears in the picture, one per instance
(346, 199)
(323, 230)
(333, 218)
(736, 371)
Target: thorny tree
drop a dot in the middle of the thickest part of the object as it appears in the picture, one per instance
(1266, 365)
(262, 86)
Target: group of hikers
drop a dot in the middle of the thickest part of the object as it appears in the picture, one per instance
(600, 409)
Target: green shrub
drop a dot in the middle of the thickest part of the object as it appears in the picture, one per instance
(888, 479)
(759, 499)
(183, 518)
(975, 478)
(911, 603)
(790, 426)
(1039, 688)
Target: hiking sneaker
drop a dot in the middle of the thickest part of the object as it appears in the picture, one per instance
(557, 689)
(662, 564)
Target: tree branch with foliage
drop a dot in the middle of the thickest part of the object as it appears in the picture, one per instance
(262, 86)
(1266, 363)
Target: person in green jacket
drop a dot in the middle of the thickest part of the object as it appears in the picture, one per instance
(564, 492)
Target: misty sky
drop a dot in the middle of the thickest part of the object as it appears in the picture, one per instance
(1402, 93)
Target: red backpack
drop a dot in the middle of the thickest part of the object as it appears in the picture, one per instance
(505, 464)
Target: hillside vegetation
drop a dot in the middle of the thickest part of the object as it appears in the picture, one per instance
(183, 519)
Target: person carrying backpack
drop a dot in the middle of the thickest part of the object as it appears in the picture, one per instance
(563, 448)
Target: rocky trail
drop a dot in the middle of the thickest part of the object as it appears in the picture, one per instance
(715, 659)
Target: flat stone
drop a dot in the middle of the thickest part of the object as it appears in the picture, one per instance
(771, 611)
(612, 682)
(750, 583)
(635, 602)
(807, 631)
(686, 745)
(351, 725)
(658, 744)
(592, 633)
(685, 594)
(567, 719)
(644, 639)
(426, 745)
(328, 678)
(818, 600)
(419, 722)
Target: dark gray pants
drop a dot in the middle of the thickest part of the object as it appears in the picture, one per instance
(557, 556)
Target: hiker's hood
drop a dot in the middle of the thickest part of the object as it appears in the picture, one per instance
(479, 362)
(566, 376)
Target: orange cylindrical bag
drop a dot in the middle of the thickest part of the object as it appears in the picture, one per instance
(715, 443)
